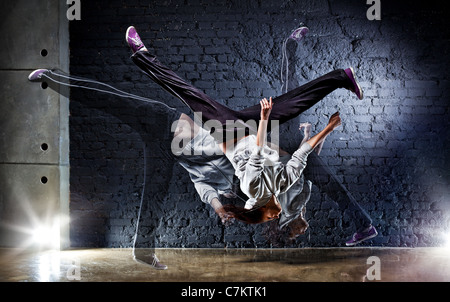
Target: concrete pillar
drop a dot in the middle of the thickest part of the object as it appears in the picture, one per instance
(34, 139)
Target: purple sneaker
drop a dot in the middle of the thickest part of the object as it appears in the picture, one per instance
(36, 75)
(133, 39)
(356, 88)
(151, 260)
(299, 33)
(359, 237)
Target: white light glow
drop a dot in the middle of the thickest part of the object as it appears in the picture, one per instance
(446, 240)
(49, 269)
(47, 235)
(39, 226)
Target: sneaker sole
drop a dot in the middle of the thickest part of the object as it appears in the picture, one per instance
(126, 34)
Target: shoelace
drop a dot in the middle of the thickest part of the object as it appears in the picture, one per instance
(137, 41)
(155, 261)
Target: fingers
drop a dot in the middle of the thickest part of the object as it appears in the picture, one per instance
(304, 125)
(265, 104)
(228, 219)
(335, 114)
(335, 120)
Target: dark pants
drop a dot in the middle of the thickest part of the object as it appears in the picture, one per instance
(285, 107)
(326, 181)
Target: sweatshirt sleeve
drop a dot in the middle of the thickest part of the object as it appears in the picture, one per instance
(256, 161)
(295, 166)
(253, 170)
(206, 192)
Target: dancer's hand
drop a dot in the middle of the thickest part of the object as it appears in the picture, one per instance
(298, 226)
(306, 131)
(266, 108)
(227, 218)
(335, 120)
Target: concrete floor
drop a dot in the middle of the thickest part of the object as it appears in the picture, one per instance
(235, 265)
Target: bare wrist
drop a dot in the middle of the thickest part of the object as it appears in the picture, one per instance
(216, 204)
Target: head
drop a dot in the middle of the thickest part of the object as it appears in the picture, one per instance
(279, 235)
(270, 211)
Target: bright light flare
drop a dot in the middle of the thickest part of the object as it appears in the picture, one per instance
(37, 225)
(446, 240)
(47, 236)
(40, 234)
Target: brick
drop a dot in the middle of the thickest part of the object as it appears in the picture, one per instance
(228, 85)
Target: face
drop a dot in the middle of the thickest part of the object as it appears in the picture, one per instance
(271, 210)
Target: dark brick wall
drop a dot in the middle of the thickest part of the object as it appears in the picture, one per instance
(391, 152)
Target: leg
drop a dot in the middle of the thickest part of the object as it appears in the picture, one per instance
(196, 100)
(300, 99)
(233, 125)
(154, 201)
(285, 107)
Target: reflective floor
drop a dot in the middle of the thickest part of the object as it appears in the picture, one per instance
(220, 265)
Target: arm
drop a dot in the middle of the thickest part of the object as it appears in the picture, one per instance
(266, 108)
(306, 132)
(295, 166)
(209, 195)
(334, 122)
(319, 147)
(307, 136)
(255, 163)
(225, 216)
(206, 192)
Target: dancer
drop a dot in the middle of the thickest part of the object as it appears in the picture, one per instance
(344, 77)
(209, 170)
(285, 107)
(205, 178)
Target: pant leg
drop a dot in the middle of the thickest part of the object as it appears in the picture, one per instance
(321, 176)
(155, 200)
(286, 106)
(192, 97)
(300, 99)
